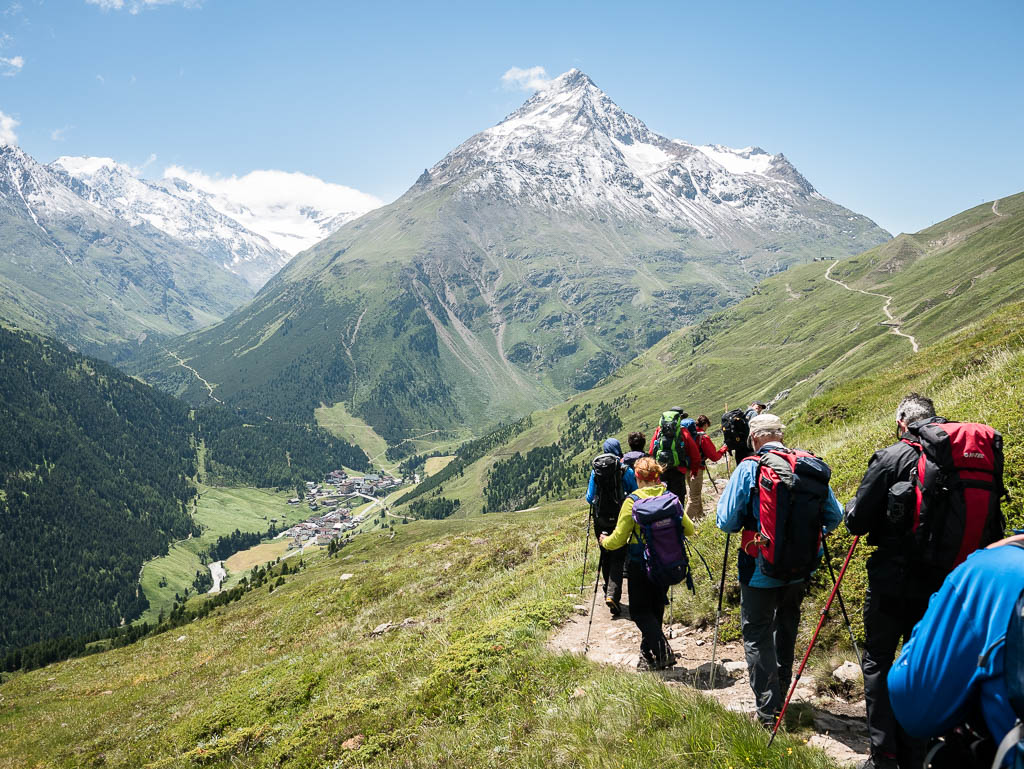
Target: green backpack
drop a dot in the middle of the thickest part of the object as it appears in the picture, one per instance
(674, 426)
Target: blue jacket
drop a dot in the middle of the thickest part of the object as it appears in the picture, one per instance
(936, 681)
(741, 500)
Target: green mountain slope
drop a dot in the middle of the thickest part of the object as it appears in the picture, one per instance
(800, 335)
(97, 476)
(515, 272)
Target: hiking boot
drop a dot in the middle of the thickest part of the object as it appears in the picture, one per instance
(613, 606)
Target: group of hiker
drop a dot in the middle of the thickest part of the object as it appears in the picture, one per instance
(942, 579)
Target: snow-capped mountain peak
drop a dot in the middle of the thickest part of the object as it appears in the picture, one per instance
(176, 209)
(570, 147)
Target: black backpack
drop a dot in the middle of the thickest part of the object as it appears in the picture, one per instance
(610, 493)
(735, 429)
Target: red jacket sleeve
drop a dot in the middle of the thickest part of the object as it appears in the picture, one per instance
(707, 448)
(654, 440)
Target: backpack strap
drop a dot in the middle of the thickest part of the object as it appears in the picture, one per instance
(1014, 736)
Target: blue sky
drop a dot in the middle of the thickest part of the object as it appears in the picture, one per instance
(906, 112)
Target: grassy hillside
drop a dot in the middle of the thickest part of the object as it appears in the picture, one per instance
(296, 677)
(800, 335)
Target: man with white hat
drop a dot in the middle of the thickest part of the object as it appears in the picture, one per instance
(769, 606)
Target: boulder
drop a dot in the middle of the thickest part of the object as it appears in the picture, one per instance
(847, 672)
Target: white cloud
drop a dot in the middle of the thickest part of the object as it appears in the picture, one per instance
(7, 126)
(291, 210)
(532, 79)
(136, 6)
(11, 66)
(60, 134)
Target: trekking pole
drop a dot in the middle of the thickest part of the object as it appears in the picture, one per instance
(842, 604)
(586, 549)
(821, 621)
(718, 614)
(593, 603)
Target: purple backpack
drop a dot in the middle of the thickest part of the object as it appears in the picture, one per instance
(660, 520)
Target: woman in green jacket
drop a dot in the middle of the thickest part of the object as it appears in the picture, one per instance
(647, 601)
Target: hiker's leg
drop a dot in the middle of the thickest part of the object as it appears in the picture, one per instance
(694, 487)
(787, 619)
(882, 629)
(757, 617)
(606, 559)
(616, 560)
(645, 608)
(675, 481)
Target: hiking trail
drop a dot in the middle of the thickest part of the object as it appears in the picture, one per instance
(184, 365)
(995, 207)
(893, 324)
(840, 726)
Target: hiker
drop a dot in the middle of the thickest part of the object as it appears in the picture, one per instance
(900, 579)
(755, 408)
(770, 602)
(961, 669)
(735, 431)
(647, 600)
(674, 446)
(610, 482)
(636, 441)
(695, 482)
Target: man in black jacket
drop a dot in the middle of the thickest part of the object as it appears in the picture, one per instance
(897, 595)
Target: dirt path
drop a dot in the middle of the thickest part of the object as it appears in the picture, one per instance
(184, 365)
(840, 727)
(893, 324)
(995, 207)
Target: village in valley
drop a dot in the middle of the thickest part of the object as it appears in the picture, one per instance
(331, 500)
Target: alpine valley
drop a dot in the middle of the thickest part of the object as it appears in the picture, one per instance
(524, 266)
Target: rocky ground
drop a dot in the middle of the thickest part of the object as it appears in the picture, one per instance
(833, 724)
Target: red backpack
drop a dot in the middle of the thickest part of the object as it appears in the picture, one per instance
(957, 489)
(792, 491)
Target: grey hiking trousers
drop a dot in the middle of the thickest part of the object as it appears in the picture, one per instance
(769, 617)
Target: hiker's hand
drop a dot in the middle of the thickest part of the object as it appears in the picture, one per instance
(601, 539)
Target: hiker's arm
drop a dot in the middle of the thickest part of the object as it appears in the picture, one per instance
(591, 489)
(623, 528)
(931, 682)
(707, 446)
(833, 512)
(735, 500)
(629, 480)
(689, 529)
(872, 496)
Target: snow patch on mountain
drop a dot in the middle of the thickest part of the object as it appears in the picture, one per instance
(176, 209)
(571, 149)
(292, 211)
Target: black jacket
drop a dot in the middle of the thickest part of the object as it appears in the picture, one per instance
(888, 568)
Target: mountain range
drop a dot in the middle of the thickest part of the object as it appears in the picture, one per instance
(102, 259)
(524, 266)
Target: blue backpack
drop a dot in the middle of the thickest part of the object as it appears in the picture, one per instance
(660, 520)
